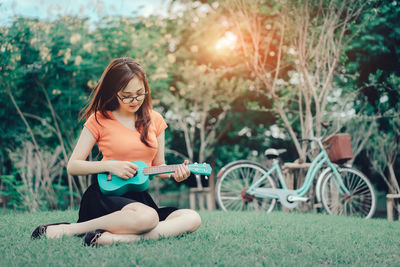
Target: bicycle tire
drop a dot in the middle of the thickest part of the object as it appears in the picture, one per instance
(362, 199)
(232, 186)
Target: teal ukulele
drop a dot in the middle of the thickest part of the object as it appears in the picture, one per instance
(116, 186)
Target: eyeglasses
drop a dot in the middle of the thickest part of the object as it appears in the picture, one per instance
(128, 100)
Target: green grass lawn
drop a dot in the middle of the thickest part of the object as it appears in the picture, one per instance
(224, 239)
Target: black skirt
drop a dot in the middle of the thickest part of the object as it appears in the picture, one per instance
(94, 204)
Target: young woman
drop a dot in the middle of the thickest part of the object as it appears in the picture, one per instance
(121, 121)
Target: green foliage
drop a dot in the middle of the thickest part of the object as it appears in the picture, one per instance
(211, 80)
(21, 196)
(50, 68)
(372, 57)
(10, 191)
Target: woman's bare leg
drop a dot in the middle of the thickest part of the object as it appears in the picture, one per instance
(134, 218)
(178, 222)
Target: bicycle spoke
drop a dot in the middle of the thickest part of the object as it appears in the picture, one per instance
(358, 184)
(231, 198)
(230, 204)
(346, 203)
(351, 210)
(233, 185)
(244, 178)
(233, 205)
(363, 201)
(232, 189)
(360, 202)
(239, 205)
(229, 185)
(352, 182)
(363, 198)
(234, 180)
(363, 192)
(362, 209)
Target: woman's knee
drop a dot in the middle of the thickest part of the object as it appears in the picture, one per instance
(192, 218)
(196, 220)
(143, 218)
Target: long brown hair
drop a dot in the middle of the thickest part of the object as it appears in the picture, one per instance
(115, 78)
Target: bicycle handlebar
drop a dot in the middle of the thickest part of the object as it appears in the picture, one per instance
(326, 125)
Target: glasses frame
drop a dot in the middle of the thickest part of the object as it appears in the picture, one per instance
(132, 98)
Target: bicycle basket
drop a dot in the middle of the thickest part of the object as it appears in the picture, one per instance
(338, 147)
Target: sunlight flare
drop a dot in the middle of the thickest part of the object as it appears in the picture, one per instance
(228, 41)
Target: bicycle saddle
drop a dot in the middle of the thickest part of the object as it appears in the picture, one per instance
(272, 153)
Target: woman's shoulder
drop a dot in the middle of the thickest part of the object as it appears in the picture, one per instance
(158, 122)
(98, 117)
(156, 115)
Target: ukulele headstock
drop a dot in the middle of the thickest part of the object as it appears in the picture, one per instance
(200, 168)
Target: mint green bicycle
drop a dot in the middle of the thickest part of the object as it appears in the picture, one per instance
(248, 185)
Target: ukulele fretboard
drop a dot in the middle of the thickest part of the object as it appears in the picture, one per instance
(160, 169)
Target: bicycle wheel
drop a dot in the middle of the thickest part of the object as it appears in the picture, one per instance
(360, 202)
(232, 186)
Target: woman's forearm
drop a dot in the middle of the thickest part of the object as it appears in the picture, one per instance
(168, 175)
(83, 167)
(165, 175)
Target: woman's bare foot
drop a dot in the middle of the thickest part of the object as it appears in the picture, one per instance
(106, 238)
(57, 231)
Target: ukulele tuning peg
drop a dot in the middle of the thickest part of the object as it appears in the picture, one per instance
(206, 177)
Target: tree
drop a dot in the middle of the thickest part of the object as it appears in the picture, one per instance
(199, 103)
(373, 56)
(294, 50)
(48, 70)
(383, 150)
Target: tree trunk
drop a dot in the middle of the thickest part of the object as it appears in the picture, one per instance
(393, 180)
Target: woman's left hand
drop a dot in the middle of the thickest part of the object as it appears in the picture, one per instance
(182, 173)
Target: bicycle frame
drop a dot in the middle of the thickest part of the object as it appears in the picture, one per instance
(316, 165)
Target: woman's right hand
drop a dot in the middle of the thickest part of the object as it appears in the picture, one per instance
(123, 169)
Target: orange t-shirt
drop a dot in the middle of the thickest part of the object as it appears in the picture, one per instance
(117, 142)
